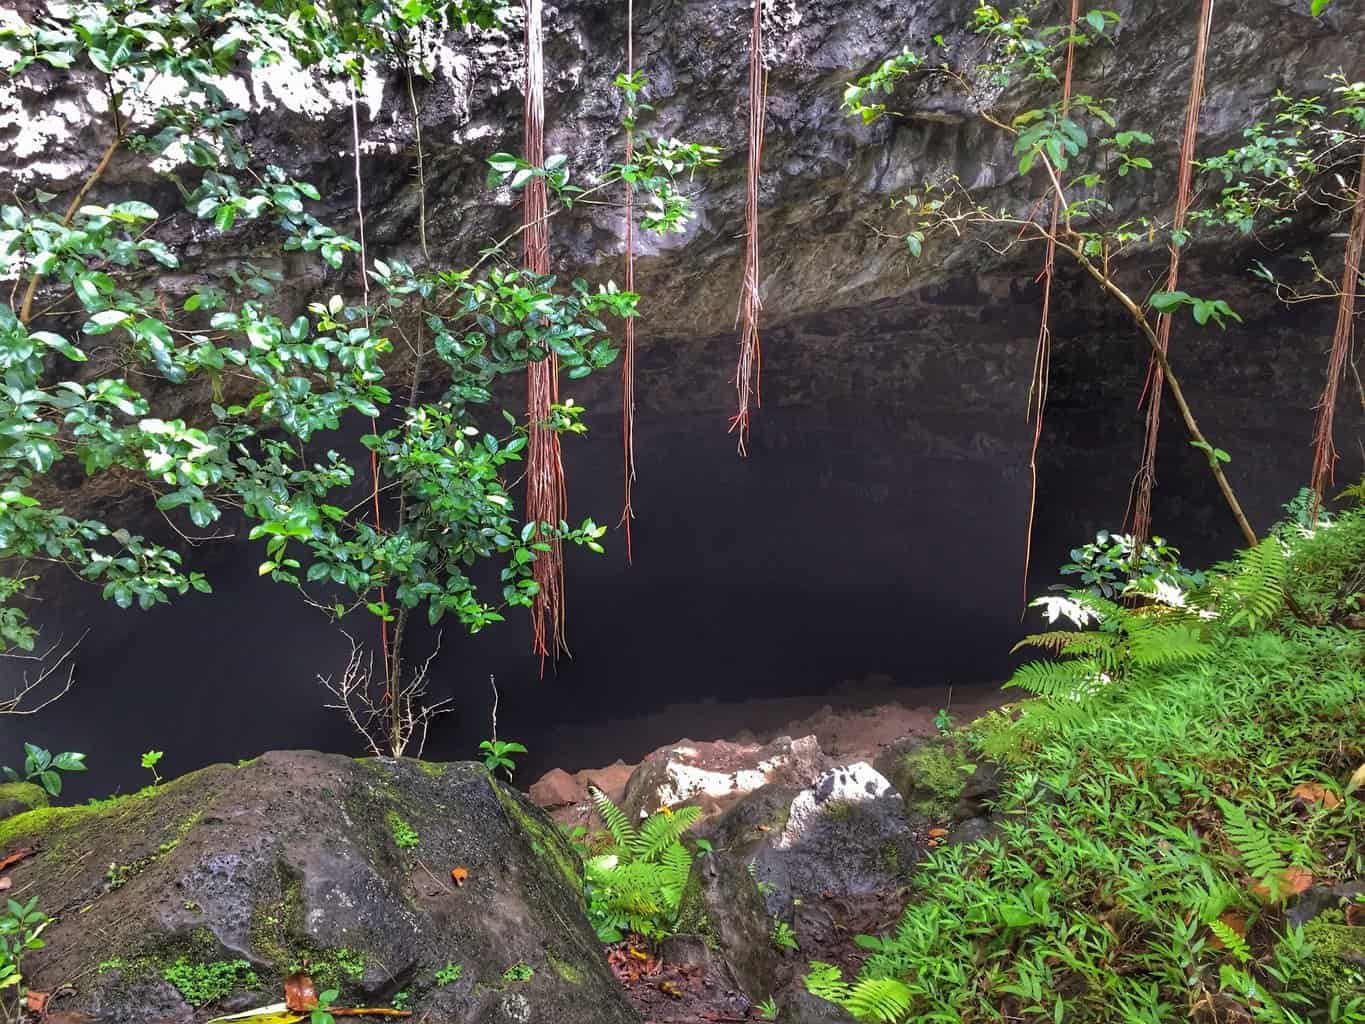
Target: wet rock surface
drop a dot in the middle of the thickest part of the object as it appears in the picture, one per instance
(300, 860)
(717, 774)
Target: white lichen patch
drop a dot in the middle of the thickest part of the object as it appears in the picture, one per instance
(850, 784)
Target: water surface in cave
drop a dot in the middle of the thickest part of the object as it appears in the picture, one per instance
(876, 529)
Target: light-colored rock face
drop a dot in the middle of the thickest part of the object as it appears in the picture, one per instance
(827, 178)
(714, 775)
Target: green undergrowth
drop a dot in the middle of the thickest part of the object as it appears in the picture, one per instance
(1156, 821)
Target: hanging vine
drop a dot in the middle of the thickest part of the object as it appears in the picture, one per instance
(1042, 357)
(546, 503)
(1324, 444)
(628, 356)
(748, 373)
(1155, 383)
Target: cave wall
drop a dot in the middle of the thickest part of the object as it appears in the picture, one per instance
(877, 526)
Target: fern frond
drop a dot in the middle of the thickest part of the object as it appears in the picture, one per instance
(884, 1000)
(663, 830)
(1232, 942)
(1054, 678)
(826, 981)
(676, 863)
(1164, 643)
(622, 831)
(1251, 590)
(1252, 840)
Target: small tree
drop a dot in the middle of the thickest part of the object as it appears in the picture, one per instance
(83, 270)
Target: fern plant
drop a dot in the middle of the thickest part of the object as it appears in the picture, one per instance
(1250, 590)
(1123, 640)
(884, 1000)
(636, 883)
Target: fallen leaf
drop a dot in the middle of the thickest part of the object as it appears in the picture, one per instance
(36, 1002)
(1292, 881)
(28, 851)
(638, 954)
(671, 989)
(459, 876)
(1315, 793)
(275, 1013)
(1357, 780)
(300, 995)
(1355, 915)
(5, 883)
(938, 833)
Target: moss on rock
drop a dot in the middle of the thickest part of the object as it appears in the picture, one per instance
(18, 797)
(1336, 965)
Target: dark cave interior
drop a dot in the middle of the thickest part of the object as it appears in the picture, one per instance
(876, 529)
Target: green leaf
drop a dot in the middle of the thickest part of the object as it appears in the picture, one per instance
(1166, 302)
(105, 321)
(59, 344)
(1096, 20)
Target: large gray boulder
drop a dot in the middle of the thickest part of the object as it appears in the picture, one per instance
(846, 835)
(209, 890)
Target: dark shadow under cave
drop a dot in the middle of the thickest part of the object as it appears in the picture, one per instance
(876, 528)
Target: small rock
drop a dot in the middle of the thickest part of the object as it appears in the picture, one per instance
(846, 835)
(686, 951)
(1320, 898)
(557, 788)
(800, 1007)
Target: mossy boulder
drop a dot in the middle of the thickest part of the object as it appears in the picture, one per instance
(1336, 962)
(937, 778)
(845, 836)
(721, 905)
(18, 797)
(200, 896)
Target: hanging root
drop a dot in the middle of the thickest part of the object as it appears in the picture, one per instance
(546, 503)
(1145, 481)
(628, 357)
(749, 372)
(1324, 445)
(1042, 356)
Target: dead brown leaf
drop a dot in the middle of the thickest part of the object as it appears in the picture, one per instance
(1292, 882)
(23, 853)
(5, 882)
(1315, 793)
(300, 995)
(670, 989)
(1355, 915)
(938, 833)
(36, 1002)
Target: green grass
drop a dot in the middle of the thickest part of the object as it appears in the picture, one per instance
(404, 835)
(1149, 834)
